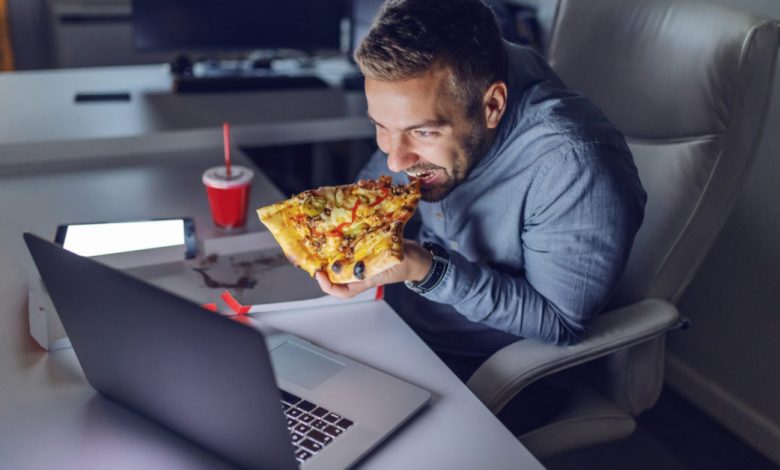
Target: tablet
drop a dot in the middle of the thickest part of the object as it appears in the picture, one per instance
(104, 238)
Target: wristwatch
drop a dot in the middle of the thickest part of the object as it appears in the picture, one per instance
(441, 261)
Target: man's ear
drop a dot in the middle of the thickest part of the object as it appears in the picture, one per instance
(494, 103)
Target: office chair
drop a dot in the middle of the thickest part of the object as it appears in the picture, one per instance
(688, 84)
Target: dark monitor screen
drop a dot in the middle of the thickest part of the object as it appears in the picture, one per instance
(208, 25)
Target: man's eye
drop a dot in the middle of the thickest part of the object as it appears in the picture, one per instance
(424, 133)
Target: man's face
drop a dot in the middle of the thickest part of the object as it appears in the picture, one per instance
(424, 131)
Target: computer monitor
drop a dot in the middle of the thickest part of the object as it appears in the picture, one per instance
(221, 25)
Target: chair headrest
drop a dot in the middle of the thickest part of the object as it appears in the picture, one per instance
(659, 69)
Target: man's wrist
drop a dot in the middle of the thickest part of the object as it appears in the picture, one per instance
(423, 267)
(440, 260)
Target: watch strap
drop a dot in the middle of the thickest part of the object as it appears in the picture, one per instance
(441, 261)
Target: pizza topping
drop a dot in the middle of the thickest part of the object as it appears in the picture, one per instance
(313, 206)
(356, 229)
(336, 267)
(381, 198)
(360, 270)
(338, 230)
(341, 196)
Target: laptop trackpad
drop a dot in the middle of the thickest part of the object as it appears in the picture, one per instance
(302, 366)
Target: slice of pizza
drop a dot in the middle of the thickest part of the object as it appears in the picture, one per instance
(350, 232)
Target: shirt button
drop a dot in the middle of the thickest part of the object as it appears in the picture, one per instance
(454, 245)
(440, 216)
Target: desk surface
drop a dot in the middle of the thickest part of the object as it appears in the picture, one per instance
(46, 124)
(49, 416)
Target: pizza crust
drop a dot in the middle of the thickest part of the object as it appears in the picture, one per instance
(374, 264)
(381, 261)
(295, 251)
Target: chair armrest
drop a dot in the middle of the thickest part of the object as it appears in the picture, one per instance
(519, 364)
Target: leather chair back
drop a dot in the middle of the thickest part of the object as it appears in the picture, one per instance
(688, 85)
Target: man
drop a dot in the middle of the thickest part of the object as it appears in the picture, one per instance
(530, 198)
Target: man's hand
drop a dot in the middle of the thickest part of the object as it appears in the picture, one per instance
(415, 266)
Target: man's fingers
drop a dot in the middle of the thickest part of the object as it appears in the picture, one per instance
(343, 291)
(324, 282)
(337, 290)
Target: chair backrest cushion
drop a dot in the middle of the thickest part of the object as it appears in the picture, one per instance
(688, 85)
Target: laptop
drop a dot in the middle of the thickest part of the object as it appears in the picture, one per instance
(257, 399)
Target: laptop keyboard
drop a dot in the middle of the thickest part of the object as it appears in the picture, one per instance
(311, 427)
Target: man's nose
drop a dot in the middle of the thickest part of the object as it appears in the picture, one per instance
(399, 154)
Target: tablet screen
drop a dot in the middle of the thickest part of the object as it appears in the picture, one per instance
(120, 237)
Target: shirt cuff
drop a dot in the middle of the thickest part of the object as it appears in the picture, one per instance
(456, 282)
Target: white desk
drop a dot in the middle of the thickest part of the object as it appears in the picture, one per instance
(51, 418)
(40, 122)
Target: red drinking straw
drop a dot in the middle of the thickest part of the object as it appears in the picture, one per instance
(226, 140)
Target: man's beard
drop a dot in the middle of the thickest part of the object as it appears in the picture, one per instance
(474, 147)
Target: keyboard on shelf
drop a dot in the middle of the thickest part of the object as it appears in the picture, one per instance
(311, 427)
(221, 84)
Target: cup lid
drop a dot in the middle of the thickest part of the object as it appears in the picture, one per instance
(216, 177)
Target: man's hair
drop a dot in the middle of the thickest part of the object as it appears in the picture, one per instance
(410, 37)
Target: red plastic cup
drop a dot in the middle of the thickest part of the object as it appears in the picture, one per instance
(228, 197)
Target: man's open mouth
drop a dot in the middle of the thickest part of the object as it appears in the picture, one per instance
(426, 177)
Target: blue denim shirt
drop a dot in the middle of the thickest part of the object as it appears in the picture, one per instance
(539, 231)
